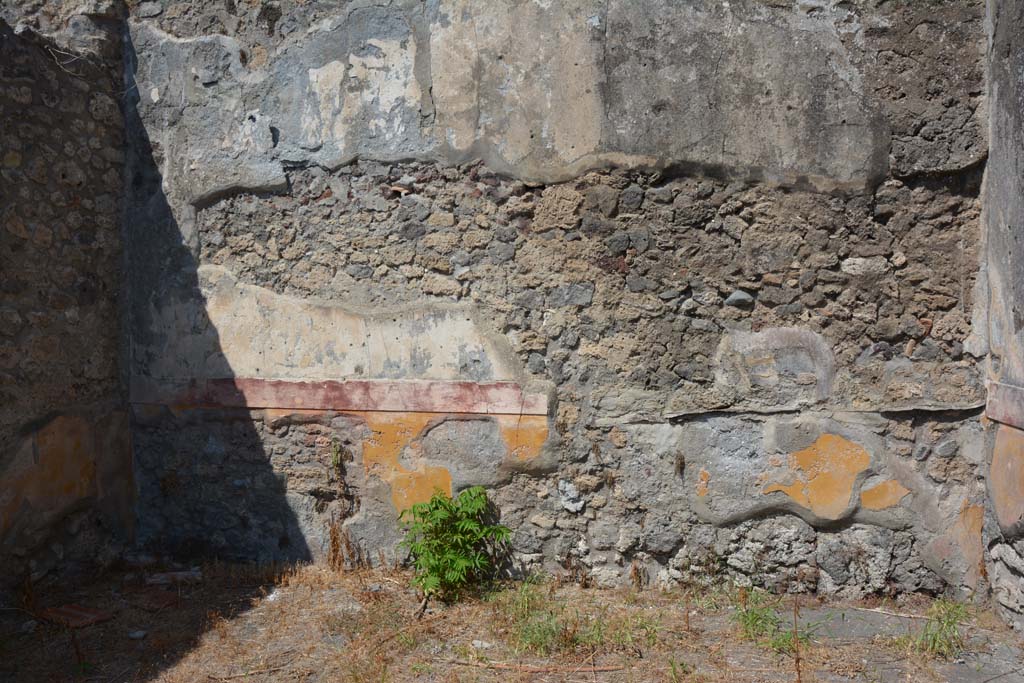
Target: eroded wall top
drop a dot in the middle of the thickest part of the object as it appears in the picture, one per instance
(808, 93)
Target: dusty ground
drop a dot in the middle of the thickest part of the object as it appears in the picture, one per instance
(315, 624)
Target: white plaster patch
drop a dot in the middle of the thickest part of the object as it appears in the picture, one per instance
(372, 88)
(256, 333)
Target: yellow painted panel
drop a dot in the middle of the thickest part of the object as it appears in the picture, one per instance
(824, 474)
(524, 435)
(884, 495)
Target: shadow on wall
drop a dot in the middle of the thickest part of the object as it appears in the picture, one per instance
(205, 486)
(204, 480)
(65, 474)
(65, 452)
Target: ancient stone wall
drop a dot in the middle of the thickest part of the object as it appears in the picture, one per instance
(691, 288)
(65, 469)
(696, 289)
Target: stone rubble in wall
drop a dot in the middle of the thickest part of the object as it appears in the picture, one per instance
(610, 281)
(619, 282)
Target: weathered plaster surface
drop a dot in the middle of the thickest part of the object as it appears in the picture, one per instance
(401, 419)
(824, 475)
(1003, 216)
(1004, 186)
(769, 91)
(70, 460)
(252, 332)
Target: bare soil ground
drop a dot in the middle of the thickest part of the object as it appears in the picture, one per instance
(315, 624)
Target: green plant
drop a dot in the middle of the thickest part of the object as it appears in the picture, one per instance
(710, 598)
(677, 670)
(757, 620)
(634, 630)
(336, 455)
(940, 636)
(519, 603)
(785, 642)
(421, 669)
(451, 542)
(540, 634)
(755, 616)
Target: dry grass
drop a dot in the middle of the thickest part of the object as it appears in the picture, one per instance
(315, 623)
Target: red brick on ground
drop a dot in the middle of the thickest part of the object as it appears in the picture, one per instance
(75, 616)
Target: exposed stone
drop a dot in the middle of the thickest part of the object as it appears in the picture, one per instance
(570, 496)
(149, 9)
(65, 483)
(542, 521)
(739, 299)
(575, 294)
(865, 267)
(776, 554)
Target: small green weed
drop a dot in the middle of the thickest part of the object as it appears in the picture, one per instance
(589, 632)
(711, 598)
(538, 625)
(635, 630)
(552, 630)
(678, 671)
(681, 672)
(758, 621)
(421, 669)
(785, 642)
(756, 617)
(520, 603)
(940, 636)
(539, 634)
(336, 455)
(451, 542)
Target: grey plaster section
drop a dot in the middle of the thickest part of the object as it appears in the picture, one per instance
(652, 84)
(1004, 223)
(784, 368)
(779, 370)
(472, 449)
(802, 113)
(732, 465)
(1004, 192)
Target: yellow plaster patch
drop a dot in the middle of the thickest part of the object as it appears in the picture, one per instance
(967, 534)
(394, 432)
(885, 495)
(1006, 481)
(824, 475)
(524, 435)
(703, 478)
(963, 542)
(63, 472)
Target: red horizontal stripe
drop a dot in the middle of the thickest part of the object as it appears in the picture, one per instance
(415, 396)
